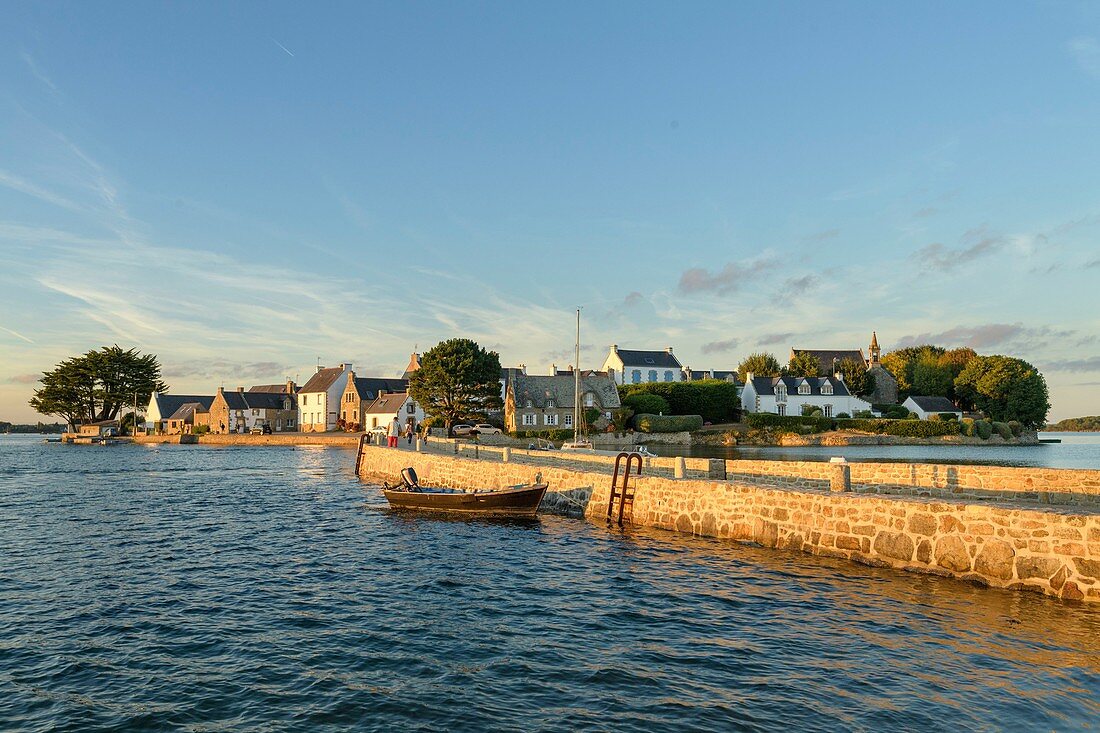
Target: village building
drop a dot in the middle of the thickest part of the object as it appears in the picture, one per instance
(413, 366)
(162, 406)
(319, 399)
(789, 395)
(238, 411)
(630, 366)
(886, 384)
(925, 407)
(183, 420)
(829, 360)
(389, 405)
(725, 375)
(359, 393)
(546, 402)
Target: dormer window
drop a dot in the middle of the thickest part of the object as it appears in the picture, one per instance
(649, 360)
(804, 388)
(550, 403)
(780, 392)
(528, 404)
(827, 389)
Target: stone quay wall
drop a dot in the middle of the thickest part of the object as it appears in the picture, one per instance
(583, 461)
(1055, 551)
(347, 440)
(1062, 486)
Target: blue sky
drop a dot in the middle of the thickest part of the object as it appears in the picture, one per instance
(244, 188)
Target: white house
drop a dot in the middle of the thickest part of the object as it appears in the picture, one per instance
(628, 366)
(787, 395)
(163, 406)
(925, 406)
(387, 406)
(319, 399)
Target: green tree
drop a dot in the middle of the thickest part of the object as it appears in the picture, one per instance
(804, 364)
(98, 384)
(1005, 388)
(761, 364)
(932, 377)
(640, 402)
(856, 378)
(902, 362)
(458, 381)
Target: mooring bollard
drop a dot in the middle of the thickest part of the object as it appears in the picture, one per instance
(841, 480)
(506, 454)
(679, 469)
(419, 445)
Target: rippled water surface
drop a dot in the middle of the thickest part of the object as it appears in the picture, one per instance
(211, 589)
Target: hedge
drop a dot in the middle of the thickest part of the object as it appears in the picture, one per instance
(714, 399)
(1003, 430)
(760, 420)
(667, 423)
(1016, 427)
(984, 429)
(647, 403)
(903, 428)
(554, 434)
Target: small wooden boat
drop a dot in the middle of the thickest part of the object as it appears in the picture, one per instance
(519, 500)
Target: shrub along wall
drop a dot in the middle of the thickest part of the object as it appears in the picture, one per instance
(667, 423)
(713, 399)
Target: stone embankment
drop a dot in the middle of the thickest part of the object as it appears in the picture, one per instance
(348, 440)
(994, 532)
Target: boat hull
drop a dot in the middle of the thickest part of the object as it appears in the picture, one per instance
(517, 501)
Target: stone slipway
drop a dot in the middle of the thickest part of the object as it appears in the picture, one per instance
(1003, 538)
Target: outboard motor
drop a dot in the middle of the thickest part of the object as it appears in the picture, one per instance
(409, 479)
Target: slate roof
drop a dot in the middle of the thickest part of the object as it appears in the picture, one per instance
(169, 403)
(388, 403)
(726, 375)
(186, 410)
(825, 357)
(367, 387)
(934, 404)
(655, 359)
(256, 400)
(322, 380)
(279, 388)
(766, 385)
(539, 389)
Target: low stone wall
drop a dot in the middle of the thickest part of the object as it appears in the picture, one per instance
(1039, 485)
(582, 461)
(349, 440)
(1056, 552)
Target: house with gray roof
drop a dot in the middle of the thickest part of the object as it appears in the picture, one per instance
(237, 411)
(319, 398)
(387, 406)
(633, 366)
(360, 392)
(162, 406)
(828, 360)
(925, 407)
(696, 375)
(535, 402)
(788, 395)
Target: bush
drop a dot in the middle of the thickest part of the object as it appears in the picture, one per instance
(948, 415)
(1016, 427)
(715, 400)
(1002, 429)
(967, 428)
(863, 414)
(842, 415)
(922, 428)
(620, 419)
(556, 434)
(984, 429)
(760, 420)
(645, 402)
(667, 423)
(895, 412)
(912, 416)
(201, 429)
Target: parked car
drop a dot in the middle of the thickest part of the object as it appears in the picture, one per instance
(462, 430)
(486, 429)
(260, 430)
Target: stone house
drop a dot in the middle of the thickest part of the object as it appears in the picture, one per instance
(629, 366)
(319, 399)
(540, 403)
(886, 384)
(359, 393)
(238, 411)
(925, 407)
(787, 395)
(162, 406)
(183, 420)
(725, 375)
(381, 411)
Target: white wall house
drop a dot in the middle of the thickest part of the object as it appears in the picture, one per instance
(163, 406)
(926, 406)
(787, 395)
(387, 406)
(319, 399)
(629, 366)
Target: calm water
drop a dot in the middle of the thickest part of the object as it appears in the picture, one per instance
(214, 589)
(1077, 450)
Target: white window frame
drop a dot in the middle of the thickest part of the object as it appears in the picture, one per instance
(780, 392)
(804, 388)
(550, 418)
(528, 419)
(567, 420)
(781, 409)
(827, 410)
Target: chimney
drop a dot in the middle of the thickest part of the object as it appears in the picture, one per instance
(615, 348)
(346, 366)
(221, 390)
(290, 387)
(319, 368)
(523, 368)
(668, 350)
(748, 377)
(553, 370)
(240, 389)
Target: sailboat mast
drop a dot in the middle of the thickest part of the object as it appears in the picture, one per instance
(577, 383)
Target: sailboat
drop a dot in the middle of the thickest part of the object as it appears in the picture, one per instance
(580, 441)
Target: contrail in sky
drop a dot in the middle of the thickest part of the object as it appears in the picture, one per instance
(16, 334)
(282, 47)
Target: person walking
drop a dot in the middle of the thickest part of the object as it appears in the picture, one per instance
(394, 432)
(409, 433)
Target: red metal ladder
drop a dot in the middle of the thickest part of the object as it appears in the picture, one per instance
(623, 490)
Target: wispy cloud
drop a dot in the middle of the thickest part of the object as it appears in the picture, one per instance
(718, 347)
(986, 336)
(975, 244)
(823, 235)
(1092, 263)
(727, 280)
(24, 379)
(38, 72)
(770, 339)
(1088, 364)
(22, 185)
(801, 285)
(1086, 52)
(16, 334)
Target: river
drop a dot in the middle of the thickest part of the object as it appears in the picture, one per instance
(1075, 450)
(196, 588)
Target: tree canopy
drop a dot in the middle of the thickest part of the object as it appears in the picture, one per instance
(856, 378)
(761, 364)
(98, 384)
(457, 381)
(1005, 388)
(714, 399)
(803, 364)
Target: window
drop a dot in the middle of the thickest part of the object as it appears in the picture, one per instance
(305, 399)
(653, 375)
(589, 399)
(649, 360)
(781, 409)
(411, 409)
(549, 419)
(828, 411)
(290, 422)
(826, 388)
(527, 404)
(528, 419)
(668, 375)
(780, 392)
(550, 403)
(804, 388)
(567, 421)
(255, 413)
(374, 422)
(636, 376)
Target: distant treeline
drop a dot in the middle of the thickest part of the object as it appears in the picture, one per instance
(1089, 424)
(7, 427)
